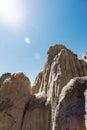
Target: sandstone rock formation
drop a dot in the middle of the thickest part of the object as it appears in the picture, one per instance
(57, 101)
(15, 92)
(61, 66)
(19, 109)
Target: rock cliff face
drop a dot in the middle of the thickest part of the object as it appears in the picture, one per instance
(61, 66)
(57, 101)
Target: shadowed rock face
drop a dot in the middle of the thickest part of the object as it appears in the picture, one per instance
(57, 101)
(71, 112)
(37, 116)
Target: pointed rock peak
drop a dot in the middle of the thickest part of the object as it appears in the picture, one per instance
(55, 48)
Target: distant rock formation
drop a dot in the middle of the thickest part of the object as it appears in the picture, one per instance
(57, 101)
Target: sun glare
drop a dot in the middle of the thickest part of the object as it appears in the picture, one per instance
(11, 13)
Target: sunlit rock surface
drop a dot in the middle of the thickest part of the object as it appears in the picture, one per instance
(57, 101)
(61, 66)
(19, 109)
(15, 92)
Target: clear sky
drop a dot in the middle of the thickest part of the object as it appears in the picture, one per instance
(29, 27)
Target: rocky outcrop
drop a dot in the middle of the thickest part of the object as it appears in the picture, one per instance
(15, 92)
(61, 66)
(71, 112)
(57, 101)
(19, 109)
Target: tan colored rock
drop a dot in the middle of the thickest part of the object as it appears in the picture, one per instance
(52, 104)
(61, 66)
(15, 92)
(3, 77)
(36, 86)
(38, 115)
(19, 110)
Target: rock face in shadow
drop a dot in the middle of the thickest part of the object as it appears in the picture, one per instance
(38, 115)
(71, 111)
(57, 101)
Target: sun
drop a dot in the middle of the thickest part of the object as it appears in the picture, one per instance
(11, 13)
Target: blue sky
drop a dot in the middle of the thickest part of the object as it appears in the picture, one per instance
(28, 28)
